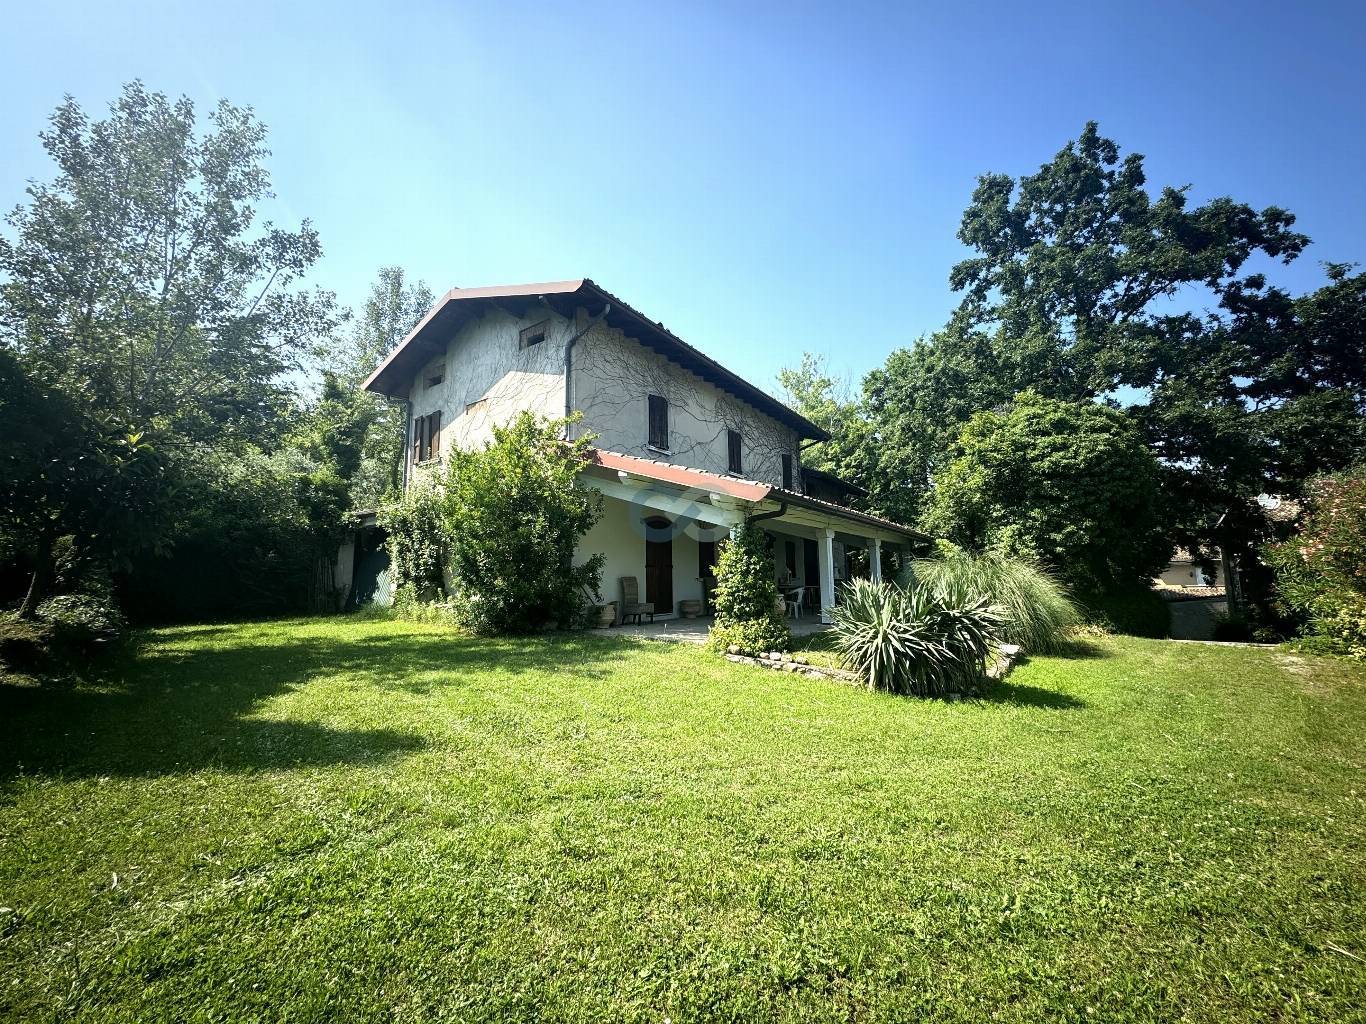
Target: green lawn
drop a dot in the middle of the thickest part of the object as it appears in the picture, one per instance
(358, 820)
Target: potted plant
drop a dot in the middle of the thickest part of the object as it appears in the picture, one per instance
(607, 614)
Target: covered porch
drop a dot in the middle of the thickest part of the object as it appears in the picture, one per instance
(662, 522)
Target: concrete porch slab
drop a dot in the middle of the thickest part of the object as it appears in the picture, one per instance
(694, 631)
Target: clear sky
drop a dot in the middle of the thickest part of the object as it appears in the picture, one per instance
(764, 179)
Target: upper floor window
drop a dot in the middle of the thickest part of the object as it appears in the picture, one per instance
(434, 379)
(734, 462)
(659, 423)
(533, 335)
(426, 438)
(787, 471)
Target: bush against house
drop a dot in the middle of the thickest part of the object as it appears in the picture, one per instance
(746, 596)
(497, 531)
(1321, 572)
(1071, 484)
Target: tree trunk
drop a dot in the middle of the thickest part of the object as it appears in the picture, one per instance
(41, 582)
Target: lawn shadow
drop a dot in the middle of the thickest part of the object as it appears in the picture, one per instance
(1080, 648)
(174, 707)
(1024, 695)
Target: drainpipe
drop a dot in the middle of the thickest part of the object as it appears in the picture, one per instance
(407, 438)
(569, 358)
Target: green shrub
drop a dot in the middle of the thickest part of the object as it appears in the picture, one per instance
(1321, 572)
(1232, 629)
(746, 596)
(915, 641)
(1033, 606)
(24, 643)
(82, 621)
(514, 513)
(414, 522)
(1133, 612)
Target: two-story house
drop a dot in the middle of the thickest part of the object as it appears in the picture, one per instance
(684, 448)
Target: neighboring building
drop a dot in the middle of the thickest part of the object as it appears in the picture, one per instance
(685, 449)
(1184, 572)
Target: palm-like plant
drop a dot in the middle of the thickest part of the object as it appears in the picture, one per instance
(914, 641)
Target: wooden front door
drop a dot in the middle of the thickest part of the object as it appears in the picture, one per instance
(659, 565)
(811, 564)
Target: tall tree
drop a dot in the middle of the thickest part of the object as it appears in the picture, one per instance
(391, 311)
(140, 278)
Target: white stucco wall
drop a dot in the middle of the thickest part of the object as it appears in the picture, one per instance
(613, 379)
(488, 378)
(620, 537)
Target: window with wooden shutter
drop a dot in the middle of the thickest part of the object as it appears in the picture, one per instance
(659, 423)
(418, 422)
(435, 447)
(736, 465)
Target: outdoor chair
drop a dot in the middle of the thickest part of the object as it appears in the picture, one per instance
(631, 605)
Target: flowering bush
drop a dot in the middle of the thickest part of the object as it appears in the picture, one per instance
(1321, 572)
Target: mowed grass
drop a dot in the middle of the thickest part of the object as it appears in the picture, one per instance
(352, 820)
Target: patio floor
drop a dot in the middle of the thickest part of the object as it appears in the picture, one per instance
(694, 631)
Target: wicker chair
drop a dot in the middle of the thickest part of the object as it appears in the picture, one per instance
(631, 605)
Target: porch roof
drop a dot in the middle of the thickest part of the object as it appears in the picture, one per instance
(751, 491)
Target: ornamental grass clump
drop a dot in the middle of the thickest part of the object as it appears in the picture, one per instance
(1034, 607)
(915, 640)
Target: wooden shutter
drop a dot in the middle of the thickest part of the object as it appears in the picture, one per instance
(436, 435)
(733, 447)
(418, 422)
(659, 422)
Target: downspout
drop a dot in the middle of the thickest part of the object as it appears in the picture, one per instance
(407, 438)
(569, 358)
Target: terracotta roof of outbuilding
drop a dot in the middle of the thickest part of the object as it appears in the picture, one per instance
(428, 339)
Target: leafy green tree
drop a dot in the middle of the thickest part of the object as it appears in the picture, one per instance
(68, 475)
(1070, 483)
(811, 390)
(391, 311)
(140, 280)
(514, 513)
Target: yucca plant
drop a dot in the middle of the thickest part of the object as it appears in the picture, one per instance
(1034, 608)
(912, 641)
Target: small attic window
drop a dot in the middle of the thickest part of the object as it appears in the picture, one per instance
(532, 335)
(433, 379)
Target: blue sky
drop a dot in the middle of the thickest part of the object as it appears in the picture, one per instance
(765, 179)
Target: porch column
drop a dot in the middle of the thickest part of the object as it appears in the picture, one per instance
(875, 560)
(827, 576)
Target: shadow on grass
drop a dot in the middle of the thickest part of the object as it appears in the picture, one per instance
(1024, 695)
(168, 709)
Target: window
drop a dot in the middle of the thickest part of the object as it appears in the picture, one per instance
(790, 556)
(659, 423)
(435, 379)
(734, 463)
(426, 438)
(787, 471)
(532, 335)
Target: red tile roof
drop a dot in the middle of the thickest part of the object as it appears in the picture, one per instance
(736, 487)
